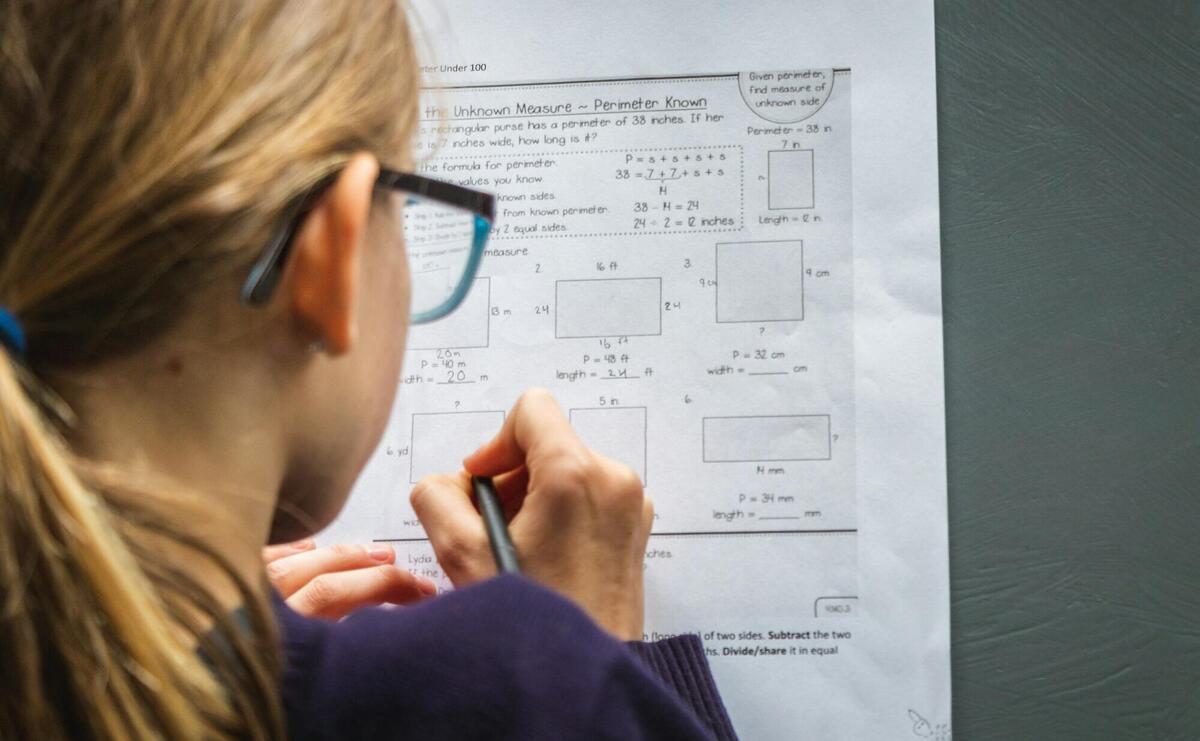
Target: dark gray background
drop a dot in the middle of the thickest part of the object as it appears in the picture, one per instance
(1070, 192)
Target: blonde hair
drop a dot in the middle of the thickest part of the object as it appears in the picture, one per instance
(148, 148)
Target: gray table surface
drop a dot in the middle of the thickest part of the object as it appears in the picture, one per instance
(1070, 192)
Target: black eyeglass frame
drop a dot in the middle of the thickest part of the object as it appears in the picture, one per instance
(266, 271)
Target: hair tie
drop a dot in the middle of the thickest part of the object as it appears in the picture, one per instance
(11, 334)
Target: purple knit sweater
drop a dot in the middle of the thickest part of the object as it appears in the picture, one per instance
(503, 659)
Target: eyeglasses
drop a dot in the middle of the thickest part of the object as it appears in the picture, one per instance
(445, 229)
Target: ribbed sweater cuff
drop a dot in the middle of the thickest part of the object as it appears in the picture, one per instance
(680, 662)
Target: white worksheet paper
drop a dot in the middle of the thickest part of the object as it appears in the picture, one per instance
(717, 243)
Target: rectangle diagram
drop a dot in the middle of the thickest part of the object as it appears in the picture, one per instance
(796, 437)
(760, 281)
(467, 326)
(790, 179)
(607, 307)
(439, 439)
(614, 432)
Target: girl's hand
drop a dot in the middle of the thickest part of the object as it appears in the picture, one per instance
(579, 521)
(334, 581)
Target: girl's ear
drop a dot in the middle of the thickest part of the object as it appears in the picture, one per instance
(326, 257)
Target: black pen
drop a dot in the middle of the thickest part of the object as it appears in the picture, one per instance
(493, 521)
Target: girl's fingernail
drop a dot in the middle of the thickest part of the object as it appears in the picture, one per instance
(478, 449)
(304, 545)
(380, 552)
(426, 586)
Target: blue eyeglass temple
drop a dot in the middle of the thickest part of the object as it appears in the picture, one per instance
(483, 227)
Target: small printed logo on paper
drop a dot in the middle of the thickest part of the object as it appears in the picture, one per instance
(922, 728)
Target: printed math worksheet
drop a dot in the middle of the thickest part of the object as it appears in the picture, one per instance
(716, 242)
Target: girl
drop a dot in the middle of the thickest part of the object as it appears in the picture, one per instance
(204, 291)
